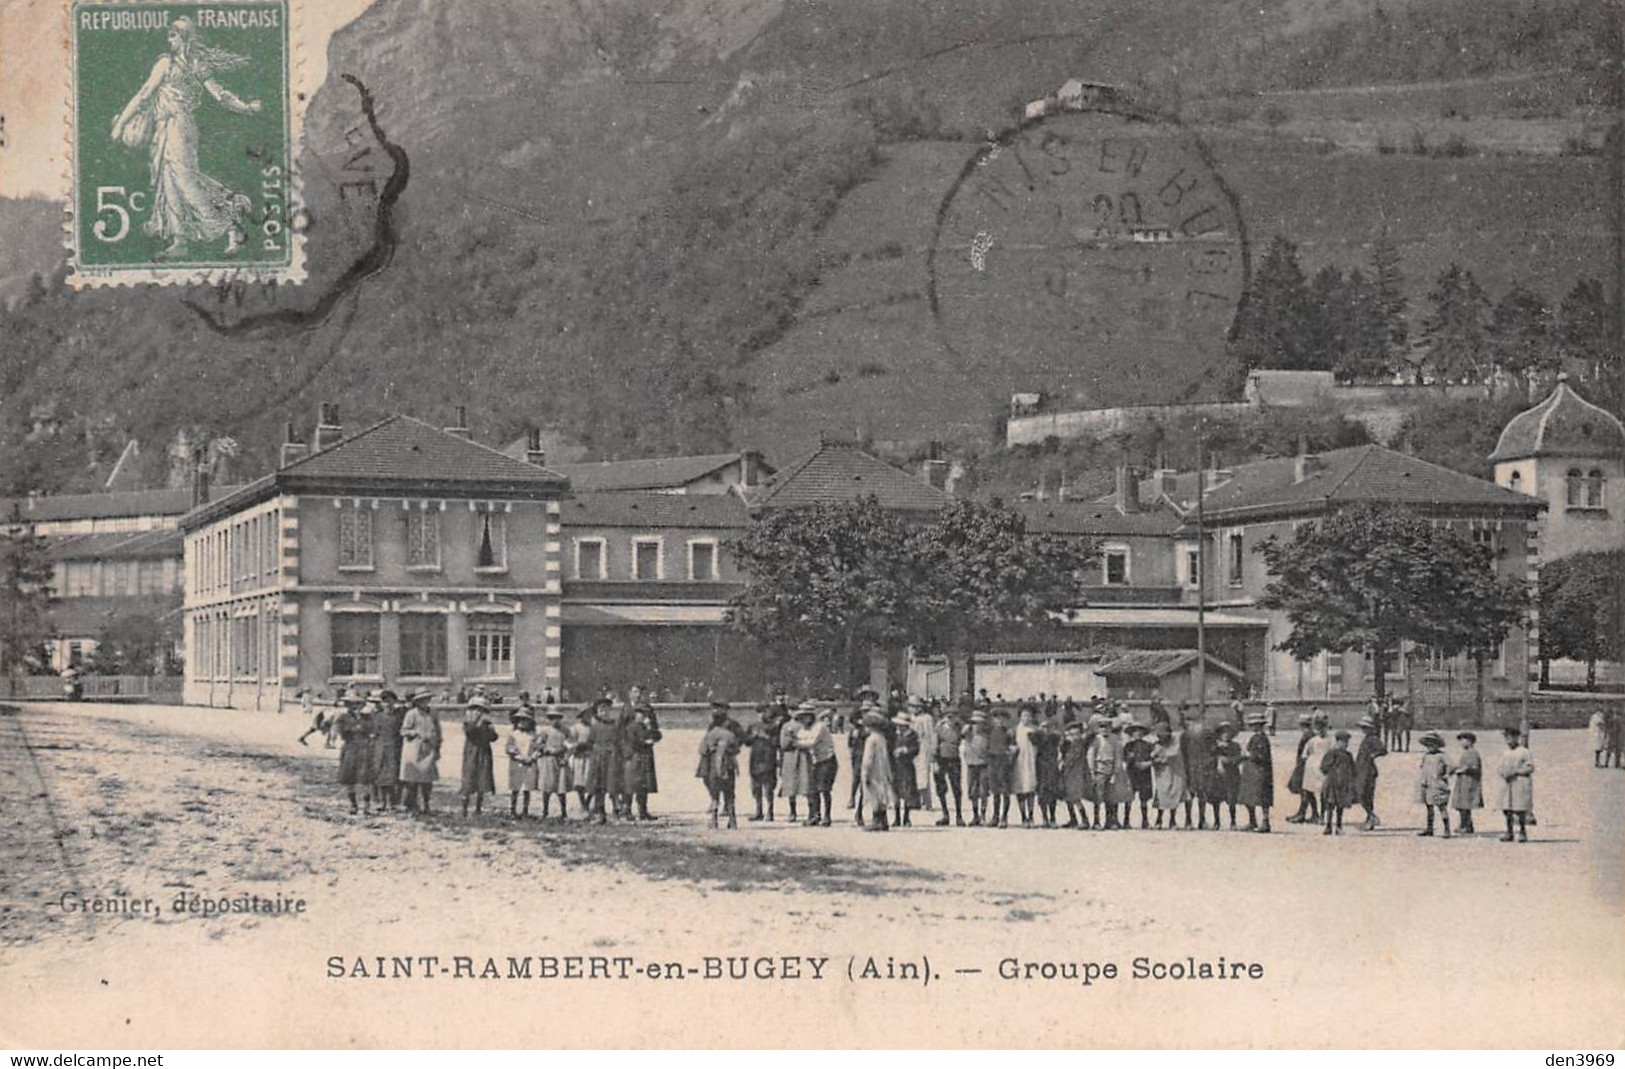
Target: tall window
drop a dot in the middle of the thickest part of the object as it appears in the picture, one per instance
(355, 538)
(423, 644)
(1593, 489)
(646, 558)
(590, 562)
(1575, 487)
(1115, 565)
(355, 643)
(490, 645)
(490, 541)
(702, 561)
(1516, 482)
(423, 538)
(1238, 556)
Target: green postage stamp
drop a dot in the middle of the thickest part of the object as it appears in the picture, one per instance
(181, 136)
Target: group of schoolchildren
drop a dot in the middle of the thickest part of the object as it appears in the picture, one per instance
(1097, 761)
(1328, 778)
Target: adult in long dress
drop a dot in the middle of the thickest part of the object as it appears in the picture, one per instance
(875, 771)
(420, 751)
(186, 204)
(1256, 787)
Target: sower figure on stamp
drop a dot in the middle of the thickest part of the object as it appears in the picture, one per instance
(187, 205)
(420, 751)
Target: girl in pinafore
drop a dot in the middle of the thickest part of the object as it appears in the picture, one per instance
(553, 769)
(581, 756)
(1467, 789)
(524, 752)
(1516, 795)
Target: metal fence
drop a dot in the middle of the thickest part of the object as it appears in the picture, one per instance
(165, 689)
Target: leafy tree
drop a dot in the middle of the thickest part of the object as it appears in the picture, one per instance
(1272, 327)
(1582, 610)
(136, 643)
(1369, 578)
(828, 583)
(25, 597)
(1454, 339)
(1522, 336)
(983, 577)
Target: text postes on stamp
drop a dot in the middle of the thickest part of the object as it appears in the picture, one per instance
(181, 134)
(1091, 251)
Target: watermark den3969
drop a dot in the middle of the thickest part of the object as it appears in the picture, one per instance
(181, 134)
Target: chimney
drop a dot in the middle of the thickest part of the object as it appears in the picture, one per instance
(1305, 463)
(1128, 489)
(534, 453)
(1167, 480)
(292, 447)
(200, 478)
(460, 428)
(329, 431)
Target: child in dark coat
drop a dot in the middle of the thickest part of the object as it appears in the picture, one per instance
(1337, 789)
(763, 740)
(1137, 759)
(719, 767)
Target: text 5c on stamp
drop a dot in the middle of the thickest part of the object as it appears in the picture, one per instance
(181, 135)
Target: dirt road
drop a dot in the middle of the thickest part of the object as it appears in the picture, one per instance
(129, 807)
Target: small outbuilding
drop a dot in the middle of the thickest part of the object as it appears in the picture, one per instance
(1168, 674)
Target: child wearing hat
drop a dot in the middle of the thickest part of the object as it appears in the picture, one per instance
(1225, 782)
(1167, 776)
(1294, 783)
(1467, 788)
(1074, 775)
(479, 769)
(973, 756)
(524, 750)
(763, 740)
(1104, 762)
(1336, 782)
(1516, 794)
(1255, 783)
(905, 746)
(719, 767)
(420, 751)
(1137, 760)
(355, 751)
(553, 766)
(875, 770)
(1433, 782)
(1365, 769)
(581, 757)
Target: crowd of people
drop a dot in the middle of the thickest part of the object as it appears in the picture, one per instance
(1095, 761)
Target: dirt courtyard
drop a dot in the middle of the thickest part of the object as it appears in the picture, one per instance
(842, 937)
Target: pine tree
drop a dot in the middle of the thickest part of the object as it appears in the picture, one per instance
(1522, 336)
(1582, 330)
(1454, 336)
(1273, 325)
(1390, 306)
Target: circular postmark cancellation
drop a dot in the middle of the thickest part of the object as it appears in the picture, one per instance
(1093, 250)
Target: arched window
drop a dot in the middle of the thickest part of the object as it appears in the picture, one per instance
(1576, 489)
(1516, 482)
(1593, 488)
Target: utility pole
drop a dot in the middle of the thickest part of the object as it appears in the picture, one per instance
(1201, 574)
